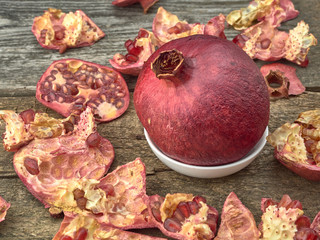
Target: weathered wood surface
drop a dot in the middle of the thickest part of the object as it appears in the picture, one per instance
(23, 61)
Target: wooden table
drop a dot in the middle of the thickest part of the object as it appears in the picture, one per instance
(23, 61)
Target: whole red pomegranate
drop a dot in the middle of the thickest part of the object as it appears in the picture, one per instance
(202, 100)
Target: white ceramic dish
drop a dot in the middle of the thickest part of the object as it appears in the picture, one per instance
(209, 172)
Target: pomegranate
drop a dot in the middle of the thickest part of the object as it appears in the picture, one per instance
(184, 216)
(68, 86)
(145, 4)
(237, 222)
(290, 220)
(58, 30)
(202, 100)
(296, 145)
(4, 206)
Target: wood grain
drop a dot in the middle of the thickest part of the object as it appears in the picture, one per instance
(23, 61)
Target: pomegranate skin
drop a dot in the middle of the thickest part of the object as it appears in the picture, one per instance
(214, 110)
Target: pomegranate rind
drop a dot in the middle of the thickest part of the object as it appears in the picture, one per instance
(133, 68)
(125, 209)
(237, 222)
(289, 72)
(258, 9)
(80, 30)
(265, 42)
(290, 149)
(145, 4)
(315, 225)
(59, 161)
(179, 140)
(95, 230)
(4, 206)
(194, 227)
(215, 26)
(104, 100)
(16, 134)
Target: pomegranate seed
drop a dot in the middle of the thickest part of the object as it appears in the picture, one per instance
(81, 234)
(31, 165)
(212, 222)
(81, 203)
(184, 208)
(143, 34)
(66, 238)
(174, 29)
(156, 214)
(199, 199)
(128, 43)
(306, 234)
(131, 58)
(285, 200)
(294, 204)
(172, 225)
(134, 50)
(108, 189)
(178, 215)
(78, 193)
(194, 207)
(93, 139)
(302, 222)
(267, 203)
(27, 116)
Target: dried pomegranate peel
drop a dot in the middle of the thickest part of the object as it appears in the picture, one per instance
(58, 30)
(48, 165)
(284, 77)
(68, 86)
(184, 216)
(145, 4)
(296, 145)
(237, 222)
(76, 227)
(285, 220)
(4, 206)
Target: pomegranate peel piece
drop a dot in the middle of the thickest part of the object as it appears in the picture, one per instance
(89, 228)
(49, 166)
(237, 222)
(296, 145)
(315, 225)
(68, 86)
(58, 30)
(258, 10)
(265, 42)
(285, 76)
(119, 199)
(215, 26)
(139, 51)
(183, 216)
(4, 206)
(145, 4)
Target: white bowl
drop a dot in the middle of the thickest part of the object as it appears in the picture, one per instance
(208, 171)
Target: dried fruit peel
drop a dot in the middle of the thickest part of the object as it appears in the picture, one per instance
(279, 223)
(261, 9)
(95, 230)
(48, 166)
(290, 146)
(237, 222)
(58, 30)
(4, 206)
(145, 4)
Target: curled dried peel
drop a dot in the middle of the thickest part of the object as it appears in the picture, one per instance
(4, 206)
(118, 199)
(258, 9)
(297, 145)
(58, 30)
(265, 42)
(237, 222)
(48, 166)
(279, 223)
(89, 227)
(145, 4)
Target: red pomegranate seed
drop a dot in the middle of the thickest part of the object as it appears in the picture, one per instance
(303, 222)
(184, 208)
(81, 234)
(194, 207)
(285, 200)
(31, 165)
(108, 188)
(173, 29)
(178, 215)
(156, 214)
(66, 238)
(93, 139)
(294, 204)
(27, 116)
(143, 34)
(128, 43)
(172, 225)
(306, 234)
(131, 58)
(199, 199)
(267, 203)
(212, 222)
